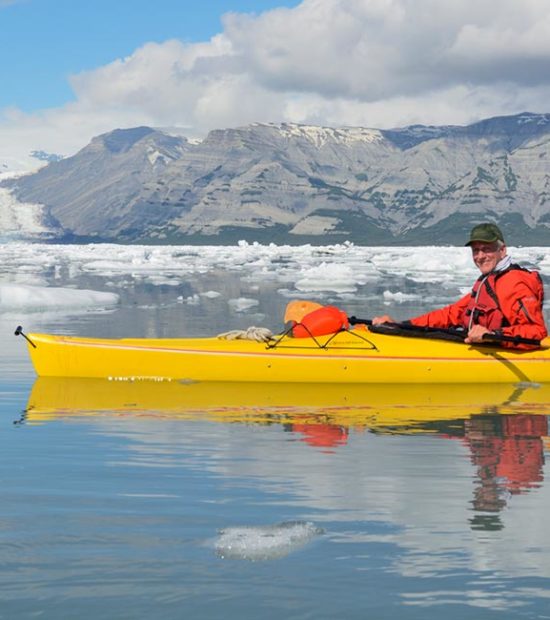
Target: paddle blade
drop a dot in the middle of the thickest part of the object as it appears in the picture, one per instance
(297, 309)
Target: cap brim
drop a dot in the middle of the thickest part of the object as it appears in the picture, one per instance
(482, 241)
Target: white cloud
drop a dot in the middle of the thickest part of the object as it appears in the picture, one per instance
(338, 62)
(372, 50)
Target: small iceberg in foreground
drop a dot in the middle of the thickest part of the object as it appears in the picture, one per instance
(33, 298)
(265, 542)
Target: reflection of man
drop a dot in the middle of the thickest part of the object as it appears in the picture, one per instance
(508, 452)
(506, 299)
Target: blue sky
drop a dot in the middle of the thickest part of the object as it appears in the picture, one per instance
(44, 41)
(73, 69)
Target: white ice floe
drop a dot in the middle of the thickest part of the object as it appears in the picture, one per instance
(398, 297)
(265, 542)
(242, 304)
(424, 264)
(309, 271)
(164, 281)
(192, 300)
(329, 277)
(35, 298)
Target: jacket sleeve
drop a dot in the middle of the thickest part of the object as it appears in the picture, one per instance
(521, 302)
(449, 316)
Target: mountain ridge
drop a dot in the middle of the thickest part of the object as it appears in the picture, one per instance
(292, 183)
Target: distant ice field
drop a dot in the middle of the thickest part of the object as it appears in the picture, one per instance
(97, 277)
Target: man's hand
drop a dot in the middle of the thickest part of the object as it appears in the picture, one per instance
(476, 334)
(379, 320)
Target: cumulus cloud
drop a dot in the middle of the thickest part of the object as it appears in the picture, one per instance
(376, 49)
(377, 63)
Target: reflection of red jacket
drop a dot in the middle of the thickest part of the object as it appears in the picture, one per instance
(516, 455)
(322, 435)
(510, 301)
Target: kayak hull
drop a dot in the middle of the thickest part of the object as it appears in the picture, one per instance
(342, 358)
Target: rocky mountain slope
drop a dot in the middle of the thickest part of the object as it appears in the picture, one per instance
(295, 183)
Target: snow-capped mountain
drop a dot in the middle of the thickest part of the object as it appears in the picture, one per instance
(297, 183)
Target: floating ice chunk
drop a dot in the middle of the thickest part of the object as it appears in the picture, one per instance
(193, 300)
(425, 264)
(34, 298)
(163, 281)
(27, 279)
(242, 304)
(340, 278)
(211, 294)
(399, 297)
(265, 542)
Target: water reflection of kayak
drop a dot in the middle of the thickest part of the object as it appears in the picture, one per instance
(504, 428)
(375, 406)
(345, 357)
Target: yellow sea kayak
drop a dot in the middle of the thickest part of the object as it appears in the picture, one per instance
(346, 357)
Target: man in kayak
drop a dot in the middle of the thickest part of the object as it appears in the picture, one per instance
(505, 300)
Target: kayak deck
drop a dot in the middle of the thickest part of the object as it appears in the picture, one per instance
(345, 357)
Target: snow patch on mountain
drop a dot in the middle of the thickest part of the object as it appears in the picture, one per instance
(539, 119)
(319, 136)
(157, 157)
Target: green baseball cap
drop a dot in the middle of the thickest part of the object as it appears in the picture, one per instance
(487, 233)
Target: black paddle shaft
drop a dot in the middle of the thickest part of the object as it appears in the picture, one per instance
(452, 332)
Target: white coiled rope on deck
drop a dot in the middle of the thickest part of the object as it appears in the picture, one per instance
(259, 334)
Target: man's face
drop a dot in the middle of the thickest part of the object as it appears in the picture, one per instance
(487, 255)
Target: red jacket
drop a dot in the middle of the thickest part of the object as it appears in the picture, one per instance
(509, 301)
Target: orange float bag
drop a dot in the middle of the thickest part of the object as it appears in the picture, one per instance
(325, 320)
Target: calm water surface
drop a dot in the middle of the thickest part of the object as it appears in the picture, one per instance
(275, 511)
